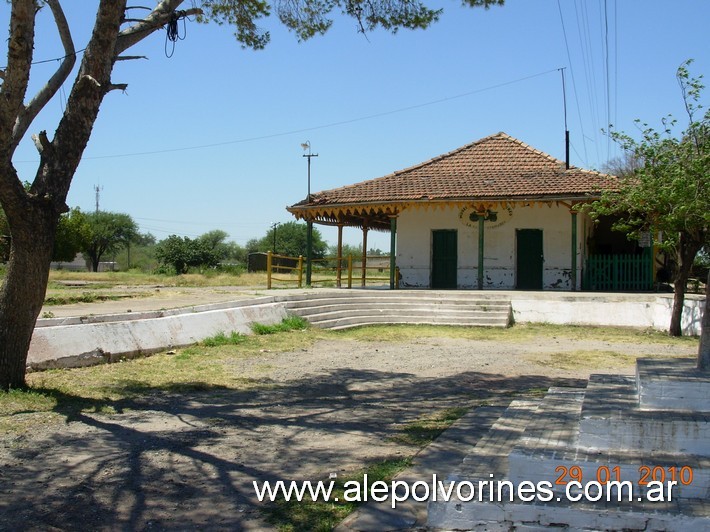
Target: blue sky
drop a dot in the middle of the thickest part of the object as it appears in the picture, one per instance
(211, 138)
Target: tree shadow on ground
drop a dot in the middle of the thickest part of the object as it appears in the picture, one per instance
(186, 458)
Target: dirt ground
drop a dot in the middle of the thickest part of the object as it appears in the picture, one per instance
(187, 461)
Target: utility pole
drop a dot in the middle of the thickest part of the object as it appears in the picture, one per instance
(309, 224)
(564, 103)
(273, 228)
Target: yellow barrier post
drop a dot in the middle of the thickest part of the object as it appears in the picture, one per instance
(300, 271)
(268, 270)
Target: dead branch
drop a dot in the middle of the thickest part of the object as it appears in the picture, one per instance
(130, 57)
(42, 142)
(118, 86)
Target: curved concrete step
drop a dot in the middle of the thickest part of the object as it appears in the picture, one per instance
(348, 323)
(316, 314)
(345, 309)
(376, 302)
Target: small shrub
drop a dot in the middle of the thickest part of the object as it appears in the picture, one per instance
(292, 323)
(231, 269)
(164, 269)
(234, 338)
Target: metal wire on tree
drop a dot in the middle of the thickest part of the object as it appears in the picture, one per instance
(172, 33)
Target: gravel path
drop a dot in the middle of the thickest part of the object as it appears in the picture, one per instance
(187, 461)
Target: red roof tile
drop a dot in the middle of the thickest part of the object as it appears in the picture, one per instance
(495, 167)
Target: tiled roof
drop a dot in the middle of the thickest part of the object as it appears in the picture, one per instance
(495, 167)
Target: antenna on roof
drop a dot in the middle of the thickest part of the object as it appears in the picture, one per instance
(564, 103)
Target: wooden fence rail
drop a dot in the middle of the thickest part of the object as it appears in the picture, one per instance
(329, 270)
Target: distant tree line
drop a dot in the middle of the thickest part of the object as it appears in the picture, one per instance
(111, 236)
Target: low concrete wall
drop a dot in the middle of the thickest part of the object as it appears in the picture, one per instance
(631, 310)
(74, 342)
(81, 341)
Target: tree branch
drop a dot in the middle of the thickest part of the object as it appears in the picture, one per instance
(130, 57)
(42, 142)
(158, 18)
(118, 86)
(30, 112)
(74, 129)
(17, 75)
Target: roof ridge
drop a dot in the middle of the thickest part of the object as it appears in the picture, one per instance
(537, 160)
(448, 154)
(535, 150)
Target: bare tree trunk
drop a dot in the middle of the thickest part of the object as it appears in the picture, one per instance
(94, 263)
(33, 215)
(23, 292)
(704, 348)
(676, 327)
(687, 250)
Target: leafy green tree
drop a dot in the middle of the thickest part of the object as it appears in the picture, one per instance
(139, 253)
(68, 239)
(668, 192)
(73, 232)
(348, 250)
(183, 253)
(235, 253)
(290, 241)
(33, 215)
(215, 240)
(106, 232)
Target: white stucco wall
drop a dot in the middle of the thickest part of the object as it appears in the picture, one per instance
(414, 242)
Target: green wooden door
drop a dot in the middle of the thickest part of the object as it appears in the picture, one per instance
(530, 259)
(444, 259)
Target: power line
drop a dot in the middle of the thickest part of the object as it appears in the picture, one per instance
(322, 126)
(191, 223)
(62, 58)
(574, 85)
(585, 44)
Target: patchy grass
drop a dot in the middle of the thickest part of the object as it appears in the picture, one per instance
(518, 333)
(321, 516)
(586, 359)
(89, 297)
(137, 278)
(22, 409)
(425, 430)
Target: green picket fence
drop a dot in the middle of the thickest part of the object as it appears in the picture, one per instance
(624, 273)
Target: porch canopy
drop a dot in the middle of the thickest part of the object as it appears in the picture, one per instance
(494, 172)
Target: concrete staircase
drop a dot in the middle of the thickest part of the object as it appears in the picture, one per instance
(353, 308)
(601, 430)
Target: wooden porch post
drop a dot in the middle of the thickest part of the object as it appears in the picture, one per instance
(393, 243)
(574, 251)
(480, 251)
(338, 268)
(364, 252)
(309, 250)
